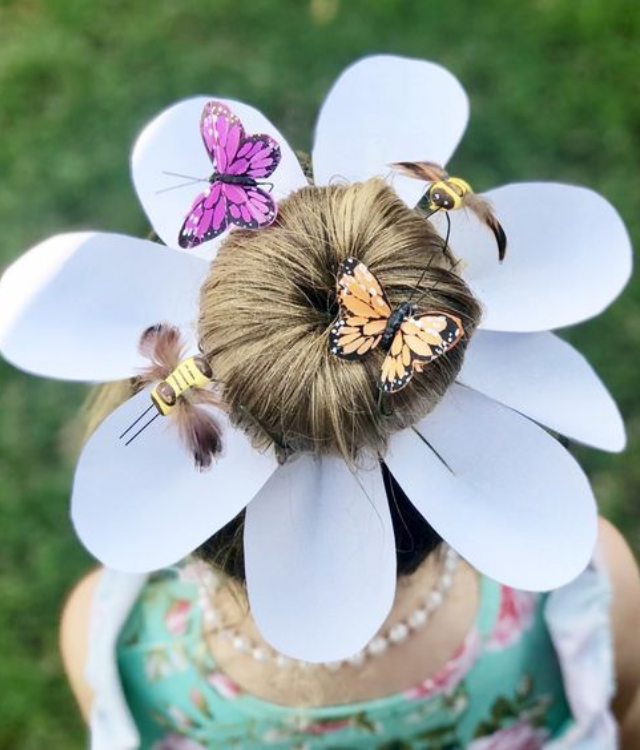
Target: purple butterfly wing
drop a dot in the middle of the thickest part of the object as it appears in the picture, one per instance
(222, 133)
(249, 207)
(257, 157)
(231, 153)
(207, 218)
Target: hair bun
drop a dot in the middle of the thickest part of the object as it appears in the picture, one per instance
(269, 302)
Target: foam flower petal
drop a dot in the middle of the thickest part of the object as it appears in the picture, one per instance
(385, 109)
(74, 306)
(501, 491)
(323, 535)
(568, 256)
(143, 506)
(546, 379)
(172, 143)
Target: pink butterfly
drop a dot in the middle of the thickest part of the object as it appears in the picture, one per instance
(233, 195)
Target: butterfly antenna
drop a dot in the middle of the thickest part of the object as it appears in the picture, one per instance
(435, 452)
(175, 187)
(185, 176)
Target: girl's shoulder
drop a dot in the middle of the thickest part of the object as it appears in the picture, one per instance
(74, 637)
(624, 578)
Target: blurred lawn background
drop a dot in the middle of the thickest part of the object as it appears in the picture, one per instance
(555, 94)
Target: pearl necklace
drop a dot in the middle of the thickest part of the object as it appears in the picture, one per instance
(395, 635)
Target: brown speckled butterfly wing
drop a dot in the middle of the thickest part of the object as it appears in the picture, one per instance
(364, 311)
(419, 341)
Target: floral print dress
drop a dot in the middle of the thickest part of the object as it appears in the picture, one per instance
(502, 690)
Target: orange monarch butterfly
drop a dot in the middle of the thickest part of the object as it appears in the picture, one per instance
(366, 321)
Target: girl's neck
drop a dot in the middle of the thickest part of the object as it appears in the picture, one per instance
(400, 667)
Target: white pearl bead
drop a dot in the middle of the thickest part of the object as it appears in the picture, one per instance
(240, 643)
(358, 659)
(435, 599)
(259, 654)
(209, 617)
(446, 581)
(418, 618)
(378, 646)
(283, 661)
(398, 632)
(451, 563)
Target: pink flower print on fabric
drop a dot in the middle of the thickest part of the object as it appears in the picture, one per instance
(520, 736)
(233, 195)
(224, 685)
(447, 679)
(515, 616)
(176, 618)
(319, 728)
(179, 718)
(197, 698)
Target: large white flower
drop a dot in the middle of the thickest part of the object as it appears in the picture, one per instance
(319, 546)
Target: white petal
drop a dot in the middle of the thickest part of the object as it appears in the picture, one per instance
(74, 306)
(386, 109)
(513, 501)
(143, 506)
(172, 143)
(546, 379)
(320, 558)
(568, 256)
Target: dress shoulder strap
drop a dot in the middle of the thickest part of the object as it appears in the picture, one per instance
(111, 725)
(578, 618)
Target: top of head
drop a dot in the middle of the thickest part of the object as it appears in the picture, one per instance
(270, 300)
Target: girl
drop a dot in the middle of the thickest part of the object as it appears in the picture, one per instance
(335, 386)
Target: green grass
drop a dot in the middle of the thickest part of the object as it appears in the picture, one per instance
(555, 94)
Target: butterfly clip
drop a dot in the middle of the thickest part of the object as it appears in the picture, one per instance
(410, 338)
(234, 194)
(446, 193)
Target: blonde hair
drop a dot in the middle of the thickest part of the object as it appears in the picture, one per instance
(269, 302)
(266, 309)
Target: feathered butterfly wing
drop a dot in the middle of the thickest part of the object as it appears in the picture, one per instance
(162, 345)
(364, 311)
(419, 341)
(232, 152)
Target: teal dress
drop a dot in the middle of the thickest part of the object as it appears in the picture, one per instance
(503, 689)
